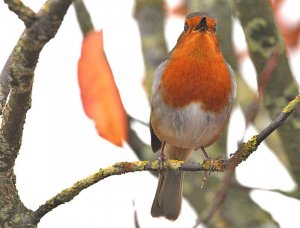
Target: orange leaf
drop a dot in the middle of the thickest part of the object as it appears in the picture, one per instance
(100, 96)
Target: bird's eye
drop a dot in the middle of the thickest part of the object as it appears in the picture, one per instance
(215, 29)
(186, 27)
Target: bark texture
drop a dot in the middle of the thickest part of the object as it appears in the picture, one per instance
(20, 71)
(263, 38)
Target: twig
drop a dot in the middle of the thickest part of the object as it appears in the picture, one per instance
(265, 77)
(218, 198)
(215, 165)
(247, 148)
(136, 220)
(83, 17)
(118, 169)
(26, 14)
(136, 144)
(133, 119)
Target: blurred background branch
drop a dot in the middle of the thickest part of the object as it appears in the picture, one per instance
(263, 38)
(150, 17)
(83, 17)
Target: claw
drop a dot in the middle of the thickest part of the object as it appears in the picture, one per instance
(206, 173)
(207, 157)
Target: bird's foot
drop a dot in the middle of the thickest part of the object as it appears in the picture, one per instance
(206, 173)
(162, 158)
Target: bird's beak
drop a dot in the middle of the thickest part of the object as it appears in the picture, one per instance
(202, 26)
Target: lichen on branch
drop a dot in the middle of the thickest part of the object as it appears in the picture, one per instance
(26, 14)
(21, 66)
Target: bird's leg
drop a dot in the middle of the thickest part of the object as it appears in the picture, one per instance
(206, 173)
(207, 157)
(162, 157)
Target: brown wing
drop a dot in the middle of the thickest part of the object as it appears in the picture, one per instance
(155, 141)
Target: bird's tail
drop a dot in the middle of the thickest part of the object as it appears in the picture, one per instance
(168, 196)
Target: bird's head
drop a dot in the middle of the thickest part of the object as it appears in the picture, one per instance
(199, 31)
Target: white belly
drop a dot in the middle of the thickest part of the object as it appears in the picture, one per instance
(189, 127)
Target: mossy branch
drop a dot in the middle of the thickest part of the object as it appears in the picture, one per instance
(20, 69)
(214, 165)
(22, 63)
(26, 14)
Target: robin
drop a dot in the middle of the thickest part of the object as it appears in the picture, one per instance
(192, 97)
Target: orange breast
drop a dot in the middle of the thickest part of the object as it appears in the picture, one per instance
(196, 73)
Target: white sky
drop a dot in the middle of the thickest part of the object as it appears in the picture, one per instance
(61, 146)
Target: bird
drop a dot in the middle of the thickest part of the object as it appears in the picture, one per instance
(193, 93)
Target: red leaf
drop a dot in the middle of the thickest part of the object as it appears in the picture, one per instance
(100, 96)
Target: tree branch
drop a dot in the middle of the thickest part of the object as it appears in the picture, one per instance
(4, 83)
(26, 14)
(247, 148)
(22, 63)
(83, 17)
(150, 19)
(215, 165)
(263, 38)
